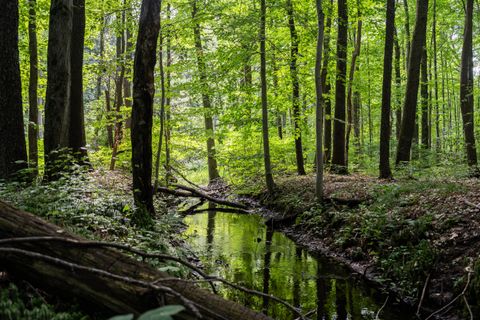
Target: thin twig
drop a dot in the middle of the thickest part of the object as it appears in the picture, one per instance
(423, 295)
(73, 266)
(123, 247)
(468, 307)
(380, 310)
(455, 299)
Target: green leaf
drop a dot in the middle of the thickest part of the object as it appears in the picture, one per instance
(122, 317)
(163, 313)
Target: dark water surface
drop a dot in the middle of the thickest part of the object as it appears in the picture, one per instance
(241, 249)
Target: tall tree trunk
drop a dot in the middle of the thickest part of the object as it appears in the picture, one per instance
(319, 103)
(162, 107)
(32, 88)
(410, 104)
(466, 88)
(339, 161)
(385, 130)
(424, 101)
(168, 104)
(13, 152)
(407, 33)
(438, 141)
(279, 119)
(207, 103)
(142, 109)
(353, 68)
(295, 89)
(119, 84)
(326, 87)
(398, 85)
(57, 104)
(263, 80)
(77, 140)
(108, 109)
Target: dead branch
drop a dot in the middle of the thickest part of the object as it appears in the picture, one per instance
(73, 266)
(423, 295)
(207, 278)
(462, 294)
(226, 210)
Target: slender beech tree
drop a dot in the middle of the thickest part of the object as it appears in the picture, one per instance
(57, 102)
(142, 109)
(319, 103)
(466, 89)
(408, 39)
(326, 87)
(206, 98)
(13, 153)
(411, 98)
(263, 81)
(295, 88)
(385, 130)
(168, 101)
(398, 85)
(438, 141)
(424, 101)
(77, 142)
(162, 107)
(339, 160)
(33, 87)
(351, 106)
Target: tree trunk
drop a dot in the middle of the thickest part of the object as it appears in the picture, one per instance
(353, 68)
(162, 108)
(424, 101)
(142, 110)
(438, 141)
(263, 80)
(466, 88)
(77, 140)
(326, 87)
(398, 85)
(339, 161)
(168, 105)
(207, 104)
(295, 89)
(319, 103)
(385, 130)
(410, 104)
(57, 104)
(119, 84)
(33, 88)
(111, 295)
(12, 135)
(407, 32)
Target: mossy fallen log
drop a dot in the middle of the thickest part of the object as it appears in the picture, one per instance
(110, 294)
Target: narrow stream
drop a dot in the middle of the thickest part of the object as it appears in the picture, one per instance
(241, 249)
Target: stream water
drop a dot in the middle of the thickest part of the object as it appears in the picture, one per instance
(241, 249)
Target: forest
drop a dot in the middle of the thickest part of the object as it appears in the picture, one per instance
(254, 159)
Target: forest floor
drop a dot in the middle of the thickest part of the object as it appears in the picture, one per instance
(406, 234)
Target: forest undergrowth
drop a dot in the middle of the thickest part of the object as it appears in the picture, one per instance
(407, 234)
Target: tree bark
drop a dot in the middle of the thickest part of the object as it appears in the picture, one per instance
(263, 80)
(295, 89)
(326, 87)
(398, 85)
(424, 101)
(57, 104)
(113, 296)
(33, 88)
(142, 110)
(410, 104)
(77, 140)
(407, 32)
(339, 160)
(466, 88)
(319, 103)
(438, 141)
(13, 153)
(353, 67)
(385, 128)
(213, 174)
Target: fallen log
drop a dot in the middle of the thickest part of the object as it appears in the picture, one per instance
(101, 279)
(194, 193)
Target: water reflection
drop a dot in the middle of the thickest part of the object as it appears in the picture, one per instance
(242, 249)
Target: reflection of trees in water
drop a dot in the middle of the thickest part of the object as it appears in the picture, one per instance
(266, 267)
(323, 287)
(341, 299)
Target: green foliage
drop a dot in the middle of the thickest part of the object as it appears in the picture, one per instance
(22, 305)
(162, 313)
